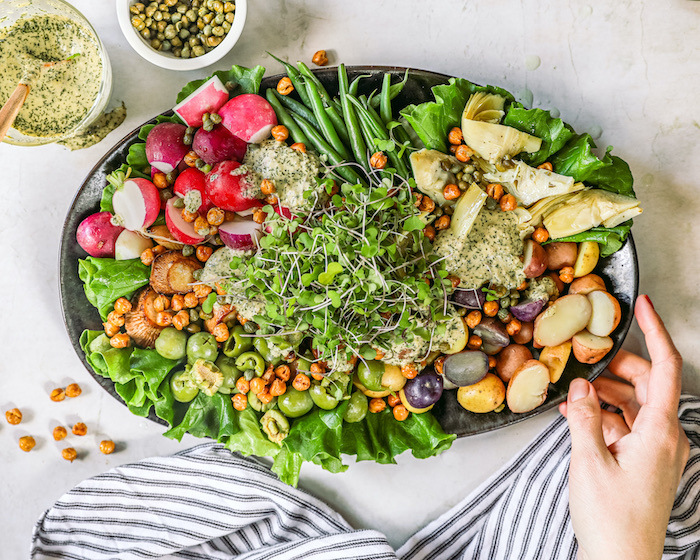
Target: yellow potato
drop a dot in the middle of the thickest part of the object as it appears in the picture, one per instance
(393, 379)
(587, 259)
(370, 394)
(587, 284)
(555, 358)
(561, 321)
(485, 396)
(605, 313)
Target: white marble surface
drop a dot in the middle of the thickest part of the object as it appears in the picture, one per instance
(628, 71)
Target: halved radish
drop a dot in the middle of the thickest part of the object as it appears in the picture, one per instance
(130, 245)
(218, 145)
(180, 229)
(97, 235)
(207, 98)
(231, 187)
(240, 233)
(193, 179)
(248, 116)
(165, 148)
(136, 204)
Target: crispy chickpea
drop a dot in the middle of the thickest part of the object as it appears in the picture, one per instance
(393, 400)
(271, 199)
(201, 290)
(379, 355)
(220, 332)
(451, 191)
(181, 319)
(177, 302)
(27, 443)
(191, 158)
(107, 446)
(455, 136)
(495, 191)
(188, 216)
(513, 327)
(377, 405)
(69, 454)
(474, 342)
(523, 286)
(454, 280)
(285, 86)
(201, 226)
(79, 429)
(508, 203)
(163, 319)
(301, 382)
(265, 397)
(378, 160)
(317, 371)
(160, 180)
(566, 275)
(400, 412)
(299, 147)
(191, 300)
(240, 401)
(429, 233)
(59, 433)
(427, 204)
(283, 372)
(147, 257)
(540, 235)
(13, 416)
(242, 320)
(453, 148)
(158, 249)
(473, 319)
(120, 340)
(215, 216)
(409, 371)
(463, 153)
(443, 222)
(439, 364)
(122, 306)
(57, 395)
(491, 308)
(242, 385)
(546, 165)
(257, 385)
(73, 390)
(203, 253)
(278, 388)
(267, 187)
(419, 198)
(161, 303)
(320, 58)
(280, 132)
(259, 216)
(492, 362)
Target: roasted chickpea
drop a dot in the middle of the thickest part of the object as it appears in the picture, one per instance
(163, 319)
(377, 405)
(474, 342)
(259, 216)
(203, 253)
(284, 86)
(267, 187)
(454, 280)
(79, 429)
(451, 192)
(73, 390)
(161, 303)
(508, 203)
(546, 165)
(443, 222)
(540, 235)
(27, 443)
(201, 290)
(393, 400)
(427, 204)
(191, 300)
(181, 319)
(301, 382)
(429, 233)
(107, 446)
(317, 371)
(473, 319)
(320, 58)
(278, 387)
(57, 395)
(455, 136)
(491, 308)
(409, 371)
(378, 160)
(566, 275)
(257, 385)
(280, 132)
(69, 454)
(242, 385)
(110, 328)
(59, 433)
(13, 416)
(240, 401)
(120, 340)
(188, 216)
(160, 180)
(513, 327)
(191, 158)
(492, 362)
(147, 257)
(215, 216)
(265, 397)
(400, 412)
(283, 372)
(122, 306)
(299, 147)
(220, 332)
(495, 191)
(463, 153)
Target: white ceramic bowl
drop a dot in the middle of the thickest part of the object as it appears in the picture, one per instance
(168, 60)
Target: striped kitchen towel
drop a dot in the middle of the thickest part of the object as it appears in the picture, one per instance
(207, 503)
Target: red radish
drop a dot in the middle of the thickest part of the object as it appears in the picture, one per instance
(248, 116)
(240, 233)
(231, 188)
(165, 148)
(181, 230)
(282, 211)
(130, 245)
(218, 145)
(207, 98)
(193, 179)
(136, 204)
(97, 235)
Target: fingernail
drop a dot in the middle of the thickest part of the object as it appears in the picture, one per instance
(649, 300)
(578, 389)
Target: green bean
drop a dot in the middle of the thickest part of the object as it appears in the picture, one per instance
(320, 144)
(294, 131)
(324, 120)
(357, 142)
(295, 77)
(385, 100)
(339, 124)
(394, 90)
(328, 101)
(298, 108)
(355, 85)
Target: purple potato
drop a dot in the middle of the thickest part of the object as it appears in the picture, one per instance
(466, 368)
(471, 299)
(527, 310)
(493, 332)
(424, 390)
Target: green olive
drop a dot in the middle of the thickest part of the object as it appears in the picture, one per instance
(202, 345)
(321, 397)
(172, 344)
(357, 407)
(295, 403)
(231, 374)
(183, 387)
(370, 373)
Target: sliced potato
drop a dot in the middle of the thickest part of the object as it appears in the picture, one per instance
(561, 254)
(605, 313)
(589, 348)
(587, 259)
(527, 389)
(535, 259)
(510, 359)
(587, 284)
(485, 396)
(558, 323)
(555, 358)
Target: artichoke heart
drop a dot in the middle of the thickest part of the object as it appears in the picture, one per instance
(207, 376)
(466, 211)
(528, 184)
(490, 140)
(430, 173)
(588, 209)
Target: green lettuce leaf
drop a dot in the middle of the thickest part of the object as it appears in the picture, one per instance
(106, 280)
(609, 239)
(250, 439)
(206, 416)
(244, 80)
(576, 159)
(615, 176)
(554, 133)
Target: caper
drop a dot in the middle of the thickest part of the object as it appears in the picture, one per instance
(155, 43)
(187, 139)
(146, 34)
(463, 185)
(217, 6)
(229, 17)
(503, 314)
(166, 45)
(227, 26)
(191, 15)
(148, 22)
(166, 16)
(170, 177)
(160, 26)
(200, 24)
(504, 302)
(449, 210)
(218, 31)
(215, 118)
(194, 314)
(208, 126)
(170, 32)
(193, 28)
(193, 41)
(135, 10)
(202, 11)
(250, 327)
(184, 33)
(176, 42)
(205, 316)
(199, 163)
(219, 19)
(206, 18)
(193, 328)
(170, 3)
(212, 41)
(187, 251)
(179, 203)
(151, 10)
(181, 8)
(207, 30)
(142, 17)
(185, 52)
(175, 18)
(160, 36)
(491, 203)
(163, 7)
(206, 169)
(158, 16)
(229, 7)
(184, 22)
(138, 23)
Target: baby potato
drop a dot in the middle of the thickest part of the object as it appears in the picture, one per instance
(535, 259)
(367, 392)
(605, 313)
(555, 358)
(561, 321)
(587, 259)
(485, 396)
(510, 359)
(589, 348)
(524, 335)
(393, 379)
(527, 389)
(587, 284)
(561, 254)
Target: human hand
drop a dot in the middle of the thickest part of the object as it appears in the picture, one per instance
(625, 470)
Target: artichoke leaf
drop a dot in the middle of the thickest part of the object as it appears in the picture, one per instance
(542, 207)
(588, 209)
(529, 184)
(622, 217)
(466, 211)
(484, 107)
(430, 173)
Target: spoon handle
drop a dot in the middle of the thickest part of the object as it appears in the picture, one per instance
(11, 108)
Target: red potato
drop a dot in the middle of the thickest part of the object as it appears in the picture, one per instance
(97, 235)
(193, 179)
(510, 359)
(587, 284)
(527, 388)
(218, 145)
(605, 313)
(230, 188)
(249, 116)
(165, 148)
(130, 245)
(555, 358)
(181, 230)
(535, 259)
(524, 335)
(589, 348)
(240, 233)
(136, 204)
(558, 323)
(561, 254)
(207, 98)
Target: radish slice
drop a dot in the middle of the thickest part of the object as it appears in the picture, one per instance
(136, 204)
(97, 235)
(130, 245)
(248, 116)
(207, 98)
(165, 148)
(193, 179)
(181, 230)
(240, 234)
